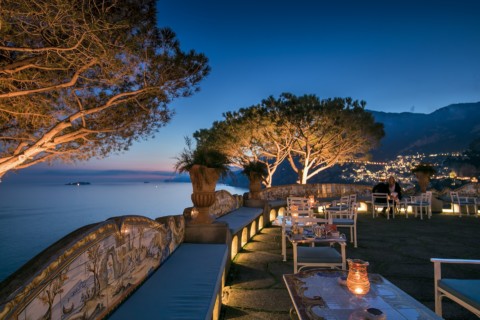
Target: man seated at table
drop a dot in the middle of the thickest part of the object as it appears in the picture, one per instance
(390, 187)
(394, 192)
(381, 187)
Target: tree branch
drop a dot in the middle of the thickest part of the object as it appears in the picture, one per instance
(45, 49)
(50, 88)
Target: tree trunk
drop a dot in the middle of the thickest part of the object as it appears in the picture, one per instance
(204, 181)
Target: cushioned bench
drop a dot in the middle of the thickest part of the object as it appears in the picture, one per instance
(240, 218)
(186, 286)
(277, 203)
(465, 292)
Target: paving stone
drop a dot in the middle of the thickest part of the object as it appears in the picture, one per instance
(262, 246)
(245, 277)
(240, 314)
(258, 257)
(259, 300)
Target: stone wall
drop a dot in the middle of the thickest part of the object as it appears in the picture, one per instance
(325, 190)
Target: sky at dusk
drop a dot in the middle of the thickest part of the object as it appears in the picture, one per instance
(398, 56)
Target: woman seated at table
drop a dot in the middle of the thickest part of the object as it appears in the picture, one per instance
(394, 189)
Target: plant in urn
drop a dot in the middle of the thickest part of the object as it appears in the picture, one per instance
(205, 166)
(256, 172)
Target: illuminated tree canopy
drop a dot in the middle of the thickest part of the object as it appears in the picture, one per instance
(312, 134)
(82, 79)
(325, 132)
(249, 135)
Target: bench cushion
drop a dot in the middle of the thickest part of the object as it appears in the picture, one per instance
(318, 255)
(466, 290)
(240, 218)
(277, 203)
(344, 222)
(184, 287)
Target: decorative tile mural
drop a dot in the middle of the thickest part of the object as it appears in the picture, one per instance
(97, 270)
(225, 203)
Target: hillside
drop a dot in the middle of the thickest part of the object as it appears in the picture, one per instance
(448, 129)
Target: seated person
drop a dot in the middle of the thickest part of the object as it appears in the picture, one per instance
(394, 189)
(381, 187)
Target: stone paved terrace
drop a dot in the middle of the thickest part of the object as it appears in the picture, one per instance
(399, 249)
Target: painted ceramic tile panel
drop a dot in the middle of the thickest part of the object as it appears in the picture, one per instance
(224, 203)
(106, 265)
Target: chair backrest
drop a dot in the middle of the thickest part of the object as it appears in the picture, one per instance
(454, 197)
(343, 202)
(309, 220)
(352, 211)
(299, 205)
(428, 197)
(379, 198)
(353, 198)
(424, 199)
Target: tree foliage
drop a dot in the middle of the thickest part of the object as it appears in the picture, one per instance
(204, 155)
(312, 134)
(249, 135)
(85, 78)
(425, 168)
(325, 132)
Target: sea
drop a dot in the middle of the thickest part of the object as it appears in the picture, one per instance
(34, 216)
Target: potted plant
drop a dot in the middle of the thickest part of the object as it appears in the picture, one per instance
(423, 172)
(256, 172)
(205, 166)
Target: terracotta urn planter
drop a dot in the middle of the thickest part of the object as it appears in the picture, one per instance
(423, 180)
(255, 186)
(204, 181)
(423, 172)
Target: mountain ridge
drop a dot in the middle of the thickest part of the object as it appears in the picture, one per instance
(448, 129)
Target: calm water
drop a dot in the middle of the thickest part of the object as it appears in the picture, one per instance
(32, 217)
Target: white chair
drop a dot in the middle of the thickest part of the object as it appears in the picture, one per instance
(299, 206)
(404, 204)
(287, 222)
(324, 257)
(380, 201)
(318, 256)
(347, 221)
(341, 206)
(465, 292)
(421, 202)
(462, 201)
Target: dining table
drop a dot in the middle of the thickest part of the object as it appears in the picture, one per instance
(306, 237)
(323, 294)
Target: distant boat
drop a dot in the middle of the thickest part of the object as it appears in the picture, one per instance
(146, 181)
(78, 183)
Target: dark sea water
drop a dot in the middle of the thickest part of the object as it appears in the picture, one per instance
(32, 217)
